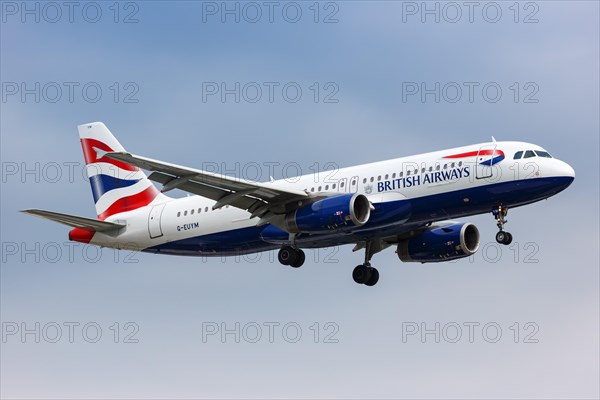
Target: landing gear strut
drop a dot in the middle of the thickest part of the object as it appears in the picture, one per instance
(291, 256)
(502, 236)
(364, 273)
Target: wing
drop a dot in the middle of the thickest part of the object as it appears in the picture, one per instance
(263, 200)
(75, 221)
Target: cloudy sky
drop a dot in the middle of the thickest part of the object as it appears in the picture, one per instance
(236, 85)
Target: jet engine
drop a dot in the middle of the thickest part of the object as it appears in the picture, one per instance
(342, 212)
(441, 243)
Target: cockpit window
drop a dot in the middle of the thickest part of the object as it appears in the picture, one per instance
(518, 155)
(544, 154)
(529, 154)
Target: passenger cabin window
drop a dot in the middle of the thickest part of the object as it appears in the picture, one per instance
(199, 210)
(192, 212)
(342, 184)
(185, 213)
(518, 155)
(364, 180)
(529, 154)
(205, 209)
(179, 213)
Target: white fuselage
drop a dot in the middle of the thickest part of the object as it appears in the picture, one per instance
(428, 180)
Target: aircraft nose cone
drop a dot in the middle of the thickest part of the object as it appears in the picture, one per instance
(566, 170)
(571, 171)
(565, 175)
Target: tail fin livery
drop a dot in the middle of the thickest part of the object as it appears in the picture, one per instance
(117, 186)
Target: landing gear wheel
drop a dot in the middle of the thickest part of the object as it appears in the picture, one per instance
(503, 237)
(301, 257)
(362, 274)
(291, 256)
(288, 255)
(374, 277)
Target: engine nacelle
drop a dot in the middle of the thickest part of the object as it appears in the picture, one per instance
(440, 244)
(330, 214)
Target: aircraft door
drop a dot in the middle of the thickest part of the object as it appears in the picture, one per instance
(154, 227)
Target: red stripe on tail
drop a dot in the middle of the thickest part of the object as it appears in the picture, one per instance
(132, 202)
(90, 156)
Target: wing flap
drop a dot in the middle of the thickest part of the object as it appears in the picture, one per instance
(210, 192)
(75, 221)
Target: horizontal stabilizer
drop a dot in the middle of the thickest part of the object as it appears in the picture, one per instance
(75, 221)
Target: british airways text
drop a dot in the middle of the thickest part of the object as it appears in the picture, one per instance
(417, 180)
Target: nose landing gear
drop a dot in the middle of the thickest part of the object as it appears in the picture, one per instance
(502, 236)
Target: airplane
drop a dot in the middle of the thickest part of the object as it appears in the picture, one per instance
(409, 202)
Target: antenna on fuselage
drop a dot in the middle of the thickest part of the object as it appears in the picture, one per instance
(493, 139)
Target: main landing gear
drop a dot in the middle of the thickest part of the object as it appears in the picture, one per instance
(502, 236)
(365, 274)
(292, 256)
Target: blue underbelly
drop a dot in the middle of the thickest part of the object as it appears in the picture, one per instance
(390, 218)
